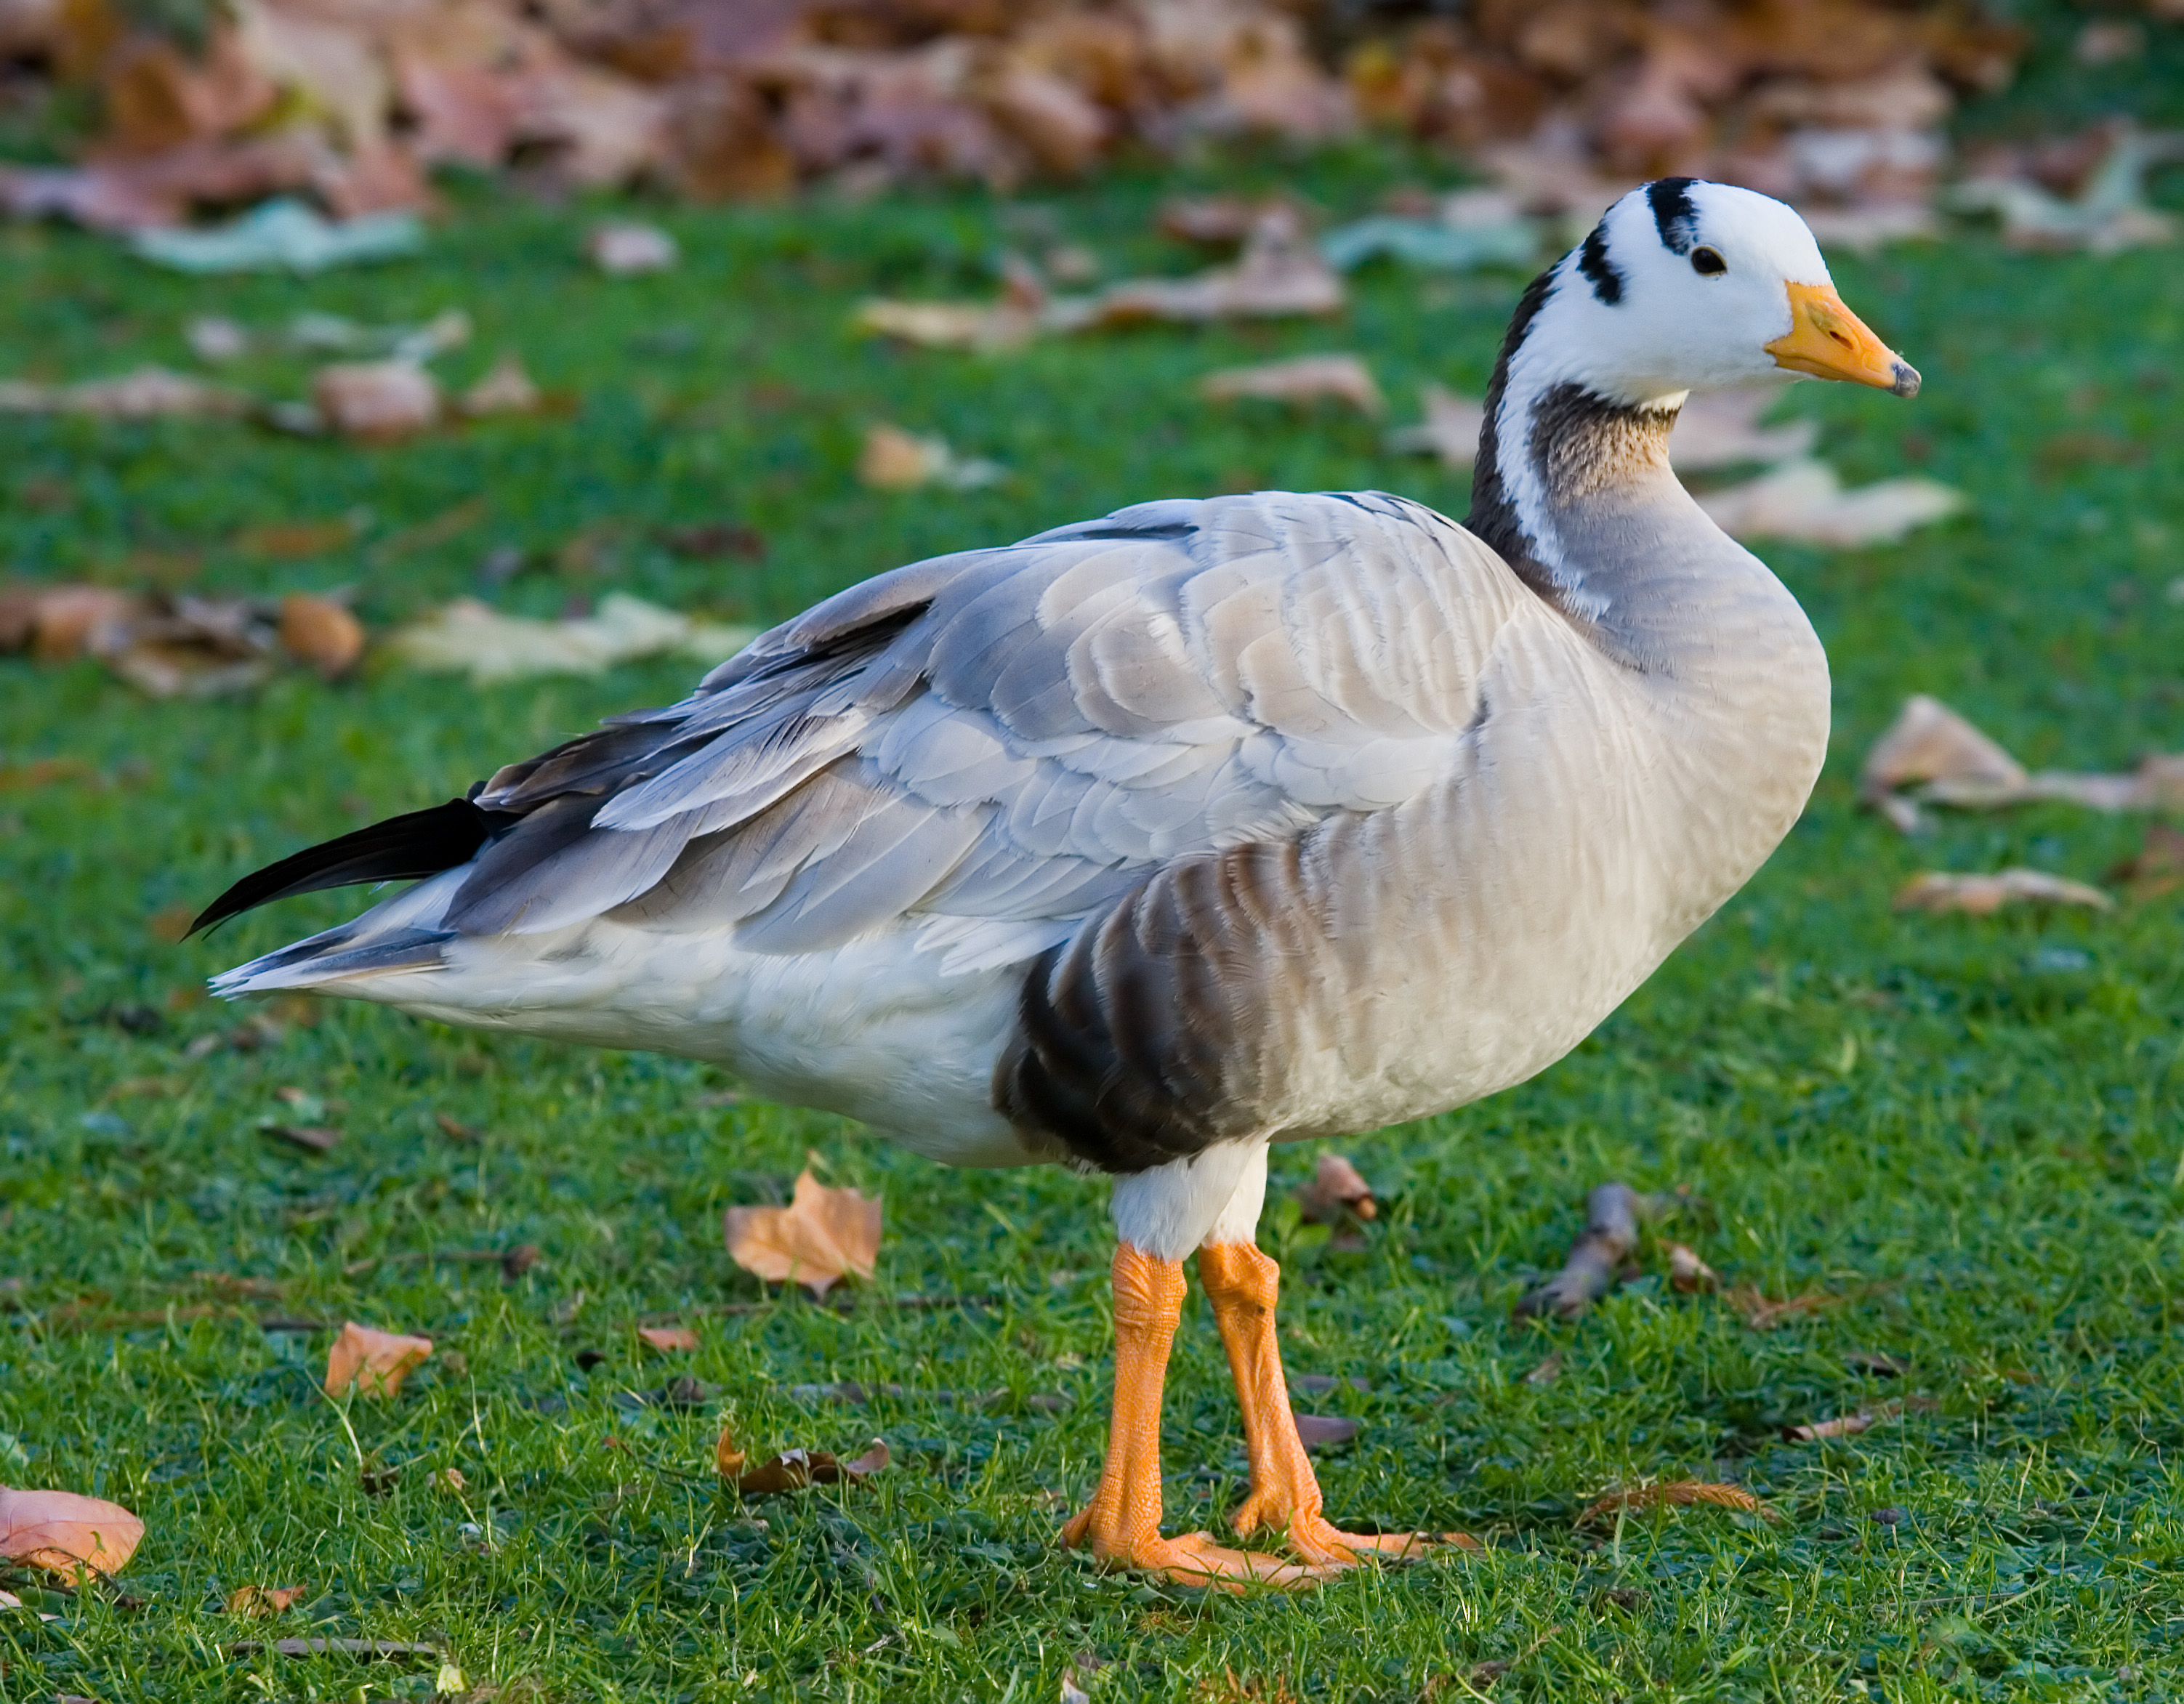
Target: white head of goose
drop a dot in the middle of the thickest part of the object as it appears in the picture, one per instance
(1153, 840)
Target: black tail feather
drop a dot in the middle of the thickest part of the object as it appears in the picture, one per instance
(422, 843)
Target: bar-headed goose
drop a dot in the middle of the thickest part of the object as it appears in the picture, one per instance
(1154, 839)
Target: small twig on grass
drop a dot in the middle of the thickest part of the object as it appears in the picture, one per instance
(513, 1262)
(1612, 1214)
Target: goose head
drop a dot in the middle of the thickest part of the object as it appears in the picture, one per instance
(1686, 285)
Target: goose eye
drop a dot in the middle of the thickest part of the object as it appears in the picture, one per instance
(1708, 262)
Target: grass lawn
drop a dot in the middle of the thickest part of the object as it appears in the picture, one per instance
(1967, 1131)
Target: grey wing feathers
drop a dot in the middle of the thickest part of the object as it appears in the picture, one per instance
(1019, 733)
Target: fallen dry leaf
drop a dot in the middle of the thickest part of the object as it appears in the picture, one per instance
(1932, 749)
(467, 636)
(1762, 1313)
(2109, 213)
(375, 1362)
(1335, 1192)
(320, 1138)
(1324, 1431)
(376, 402)
(1935, 890)
(821, 1236)
(1547, 1371)
(1805, 499)
(792, 1470)
(669, 1339)
(506, 390)
(1301, 380)
(321, 634)
(63, 1533)
(624, 251)
(1688, 1274)
(893, 459)
(1450, 429)
(1003, 324)
(146, 393)
(1674, 1494)
(261, 1603)
(1280, 275)
(1865, 1420)
(1721, 428)
(2157, 867)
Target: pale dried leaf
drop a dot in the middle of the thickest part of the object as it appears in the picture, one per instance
(1671, 1493)
(1763, 1313)
(1935, 890)
(1845, 1425)
(260, 1602)
(822, 1236)
(1721, 428)
(1304, 379)
(375, 1362)
(1279, 276)
(1002, 325)
(63, 1533)
(1928, 741)
(1450, 429)
(1689, 1273)
(321, 633)
(471, 638)
(146, 393)
(624, 251)
(505, 389)
(669, 1339)
(376, 401)
(893, 459)
(1805, 499)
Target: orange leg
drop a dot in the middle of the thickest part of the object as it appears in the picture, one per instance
(1243, 1284)
(1121, 1525)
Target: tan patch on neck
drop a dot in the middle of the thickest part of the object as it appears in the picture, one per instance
(1586, 446)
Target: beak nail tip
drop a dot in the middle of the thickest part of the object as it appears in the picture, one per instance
(1907, 380)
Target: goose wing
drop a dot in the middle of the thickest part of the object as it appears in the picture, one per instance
(995, 744)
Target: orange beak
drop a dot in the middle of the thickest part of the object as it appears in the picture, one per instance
(1828, 340)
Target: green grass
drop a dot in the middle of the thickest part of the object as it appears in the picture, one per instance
(1968, 1130)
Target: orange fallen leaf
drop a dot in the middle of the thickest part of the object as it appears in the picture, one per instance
(893, 459)
(261, 1601)
(1673, 1493)
(668, 1338)
(375, 1362)
(321, 633)
(1688, 1272)
(64, 1533)
(822, 1236)
(1981, 896)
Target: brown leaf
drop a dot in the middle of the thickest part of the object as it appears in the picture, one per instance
(146, 393)
(1689, 1273)
(169, 922)
(728, 1457)
(2157, 867)
(821, 1236)
(988, 326)
(1674, 1493)
(320, 1138)
(669, 1339)
(1762, 1313)
(66, 1534)
(1324, 1431)
(376, 402)
(1301, 381)
(375, 1362)
(261, 1601)
(1928, 741)
(296, 541)
(1335, 1191)
(321, 633)
(1547, 1371)
(55, 623)
(1934, 890)
(1279, 274)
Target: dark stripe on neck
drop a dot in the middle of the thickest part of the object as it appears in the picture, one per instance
(1675, 215)
(1599, 270)
(1579, 443)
